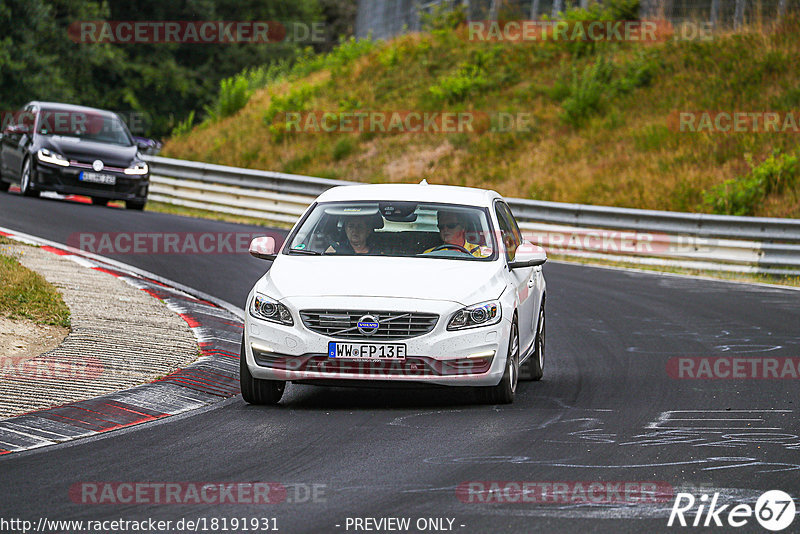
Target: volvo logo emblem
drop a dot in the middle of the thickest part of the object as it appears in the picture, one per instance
(368, 325)
(97, 165)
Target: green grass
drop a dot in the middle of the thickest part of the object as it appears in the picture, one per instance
(25, 294)
(603, 117)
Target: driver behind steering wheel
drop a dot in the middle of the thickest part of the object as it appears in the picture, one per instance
(453, 231)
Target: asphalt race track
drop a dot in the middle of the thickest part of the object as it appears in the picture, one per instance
(611, 409)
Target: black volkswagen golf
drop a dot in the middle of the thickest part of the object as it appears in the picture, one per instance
(73, 150)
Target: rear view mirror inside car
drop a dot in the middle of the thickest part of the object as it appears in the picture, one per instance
(399, 211)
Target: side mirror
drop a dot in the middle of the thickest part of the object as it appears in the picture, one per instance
(17, 129)
(528, 255)
(263, 248)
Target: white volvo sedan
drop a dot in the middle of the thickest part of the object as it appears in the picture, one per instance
(400, 283)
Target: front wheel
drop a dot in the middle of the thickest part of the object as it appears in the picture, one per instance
(25, 187)
(257, 391)
(533, 368)
(503, 393)
(3, 184)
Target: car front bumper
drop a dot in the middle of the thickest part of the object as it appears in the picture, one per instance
(66, 180)
(471, 357)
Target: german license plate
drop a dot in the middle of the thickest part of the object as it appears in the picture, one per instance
(366, 351)
(97, 178)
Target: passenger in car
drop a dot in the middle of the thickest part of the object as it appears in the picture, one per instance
(360, 236)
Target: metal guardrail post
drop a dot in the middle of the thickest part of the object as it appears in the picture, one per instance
(558, 7)
(738, 17)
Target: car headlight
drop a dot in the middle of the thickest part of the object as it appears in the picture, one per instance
(483, 314)
(268, 309)
(138, 168)
(49, 156)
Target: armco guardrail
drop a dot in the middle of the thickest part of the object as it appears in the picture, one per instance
(689, 240)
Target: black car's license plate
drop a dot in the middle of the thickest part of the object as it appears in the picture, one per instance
(98, 178)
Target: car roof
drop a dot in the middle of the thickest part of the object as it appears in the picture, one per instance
(445, 194)
(69, 107)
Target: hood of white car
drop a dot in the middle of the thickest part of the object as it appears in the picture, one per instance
(462, 281)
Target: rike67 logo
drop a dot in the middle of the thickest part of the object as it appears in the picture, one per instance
(774, 510)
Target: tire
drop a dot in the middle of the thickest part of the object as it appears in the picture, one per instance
(503, 393)
(533, 368)
(25, 181)
(99, 201)
(254, 390)
(137, 205)
(3, 184)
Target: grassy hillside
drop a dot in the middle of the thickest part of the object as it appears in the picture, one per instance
(601, 119)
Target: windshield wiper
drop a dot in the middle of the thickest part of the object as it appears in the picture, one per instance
(304, 251)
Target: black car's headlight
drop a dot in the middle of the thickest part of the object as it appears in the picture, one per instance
(267, 309)
(483, 314)
(48, 156)
(139, 168)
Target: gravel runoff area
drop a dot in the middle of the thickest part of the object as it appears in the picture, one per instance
(120, 337)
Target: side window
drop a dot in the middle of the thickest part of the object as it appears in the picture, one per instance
(509, 232)
(28, 117)
(517, 234)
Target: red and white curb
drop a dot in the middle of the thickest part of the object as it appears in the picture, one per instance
(217, 326)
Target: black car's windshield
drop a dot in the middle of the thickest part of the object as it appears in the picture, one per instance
(398, 229)
(99, 127)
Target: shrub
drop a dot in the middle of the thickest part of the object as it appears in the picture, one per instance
(345, 53)
(638, 72)
(621, 10)
(443, 17)
(296, 100)
(260, 77)
(343, 148)
(234, 93)
(741, 196)
(185, 126)
(456, 87)
(609, 10)
(586, 91)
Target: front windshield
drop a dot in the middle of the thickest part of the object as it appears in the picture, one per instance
(397, 229)
(86, 126)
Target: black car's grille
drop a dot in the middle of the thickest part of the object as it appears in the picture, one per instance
(342, 324)
(88, 165)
